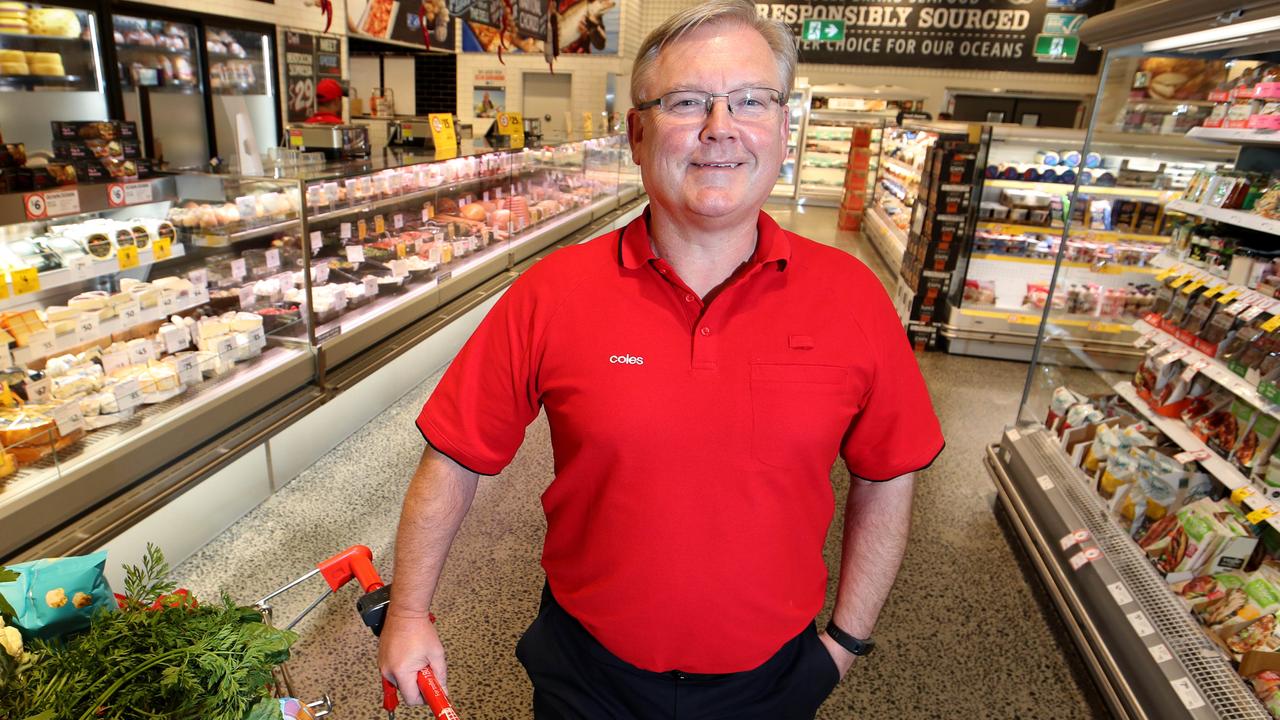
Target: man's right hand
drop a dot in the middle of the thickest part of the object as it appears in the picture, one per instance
(409, 643)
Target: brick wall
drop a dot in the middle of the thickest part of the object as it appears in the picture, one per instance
(436, 83)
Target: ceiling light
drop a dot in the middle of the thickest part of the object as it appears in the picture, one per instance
(1224, 32)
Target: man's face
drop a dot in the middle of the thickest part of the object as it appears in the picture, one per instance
(713, 167)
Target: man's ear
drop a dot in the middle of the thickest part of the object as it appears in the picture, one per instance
(635, 133)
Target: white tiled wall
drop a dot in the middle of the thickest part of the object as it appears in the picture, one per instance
(588, 73)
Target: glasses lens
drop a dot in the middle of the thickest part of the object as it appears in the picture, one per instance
(751, 103)
(685, 103)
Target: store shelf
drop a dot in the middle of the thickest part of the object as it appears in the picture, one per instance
(901, 168)
(96, 269)
(829, 115)
(1106, 268)
(1012, 229)
(890, 241)
(156, 49)
(1234, 136)
(6, 37)
(372, 205)
(811, 190)
(1214, 369)
(1238, 218)
(1032, 318)
(1066, 188)
(69, 83)
(205, 239)
(89, 198)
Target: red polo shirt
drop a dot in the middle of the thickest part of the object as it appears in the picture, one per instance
(693, 441)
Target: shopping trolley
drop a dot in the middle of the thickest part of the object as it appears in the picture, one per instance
(356, 562)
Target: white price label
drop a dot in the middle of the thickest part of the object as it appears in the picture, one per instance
(1142, 342)
(128, 394)
(1164, 342)
(1120, 593)
(1187, 693)
(238, 269)
(1191, 456)
(399, 268)
(199, 278)
(62, 202)
(88, 327)
(1141, 624)
(397, 221)
(135, 193)
(114, 361)
(247, 205)
(371, 286)
(1078, 561)
(1170, 357)
(82, 268)
(273, 258)
(1192, 369)
(1074, 538)
(355, 253)
(246, 297)
(1160, 653)
(200, 297)
(168, 302)
(43, 342)
(426, 215)
(141, 353)
(317, 242)
(189, 370)
(258, 337)
(1045, 483)
(38, 391)
(68, 417)
(130, 313)
(344, 231)
(331, 192)
(1251, 313)
(176, 341)
(225, 346)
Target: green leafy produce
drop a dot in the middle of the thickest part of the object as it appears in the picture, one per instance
(7, 612)
(157, 657)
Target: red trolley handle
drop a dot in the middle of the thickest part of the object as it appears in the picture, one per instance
(431, 691)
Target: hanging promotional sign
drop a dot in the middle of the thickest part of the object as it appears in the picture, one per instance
(308, 59)
(586, 26)
(1012, 35)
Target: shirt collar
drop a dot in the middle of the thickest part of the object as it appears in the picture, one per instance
(773, 245)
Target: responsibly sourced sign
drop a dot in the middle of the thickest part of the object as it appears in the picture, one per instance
(1012, 35)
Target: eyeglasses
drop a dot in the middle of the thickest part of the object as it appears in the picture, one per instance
(744, 103)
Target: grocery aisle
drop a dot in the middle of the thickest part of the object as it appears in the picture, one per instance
(962, 636)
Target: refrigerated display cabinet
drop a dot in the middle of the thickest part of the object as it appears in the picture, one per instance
(1121, 223)
(242, 79)
(797, 113)
(138, 329)
(159, 63)
(1147, 493)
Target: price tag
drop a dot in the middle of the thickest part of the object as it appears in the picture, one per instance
(1181, 280)
(427, 214)
(1251, 313)
(1214, 290)
(199, 278)
(82, 268)
(1072, 539)
(1160, 653)
(26, 280)
(1187, 693)
(258, 338)
(355, 253)
(238, 269)
(68, 417)
(317, 241)
(88, 327)
(273, 259)
(127, 257)
(1045, 483)
(225, 346)
(362, 230)
(38, 391)
(1235, 308)
(331, 192)
(1164, 360)
(1192, 456)
(189, 370)
(1167, 272)
(128, 394)
(175, 342)
(1078, 561)
(1239, 494)
(1271, 325)
(379, 225)
(141, 353)
(371, 286)
(1141, 624)
(1260, 514)
(1143, 340)
(397, 221)
(247, 205)
(168, 303)
(1192, 287)
(114, 361)
(401, 250)
(1228, 296)
(130, 313)
(162, 249)
(442, 134)
(1120, 593)
(200, 297)
(399, 268)
(1192, 369)
(246, 297)
(344, 231)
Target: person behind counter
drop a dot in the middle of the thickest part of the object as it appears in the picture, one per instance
(329, 95)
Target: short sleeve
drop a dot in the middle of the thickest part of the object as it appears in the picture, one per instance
(478, 413)
(896, 431)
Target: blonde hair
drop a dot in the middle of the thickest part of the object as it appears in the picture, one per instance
(740, 12)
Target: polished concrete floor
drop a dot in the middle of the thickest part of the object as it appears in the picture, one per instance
(965, 634)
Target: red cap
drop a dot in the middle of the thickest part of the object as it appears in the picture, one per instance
(328, 90)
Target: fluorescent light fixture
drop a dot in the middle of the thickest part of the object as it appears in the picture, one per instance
(1217, 34)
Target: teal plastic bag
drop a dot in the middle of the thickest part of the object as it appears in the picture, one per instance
(56, 597)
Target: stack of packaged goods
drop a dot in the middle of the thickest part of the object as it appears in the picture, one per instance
(856, 176)
(1251, 101)
(106, 151)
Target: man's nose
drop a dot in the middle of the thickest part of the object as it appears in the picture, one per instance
(719, 124)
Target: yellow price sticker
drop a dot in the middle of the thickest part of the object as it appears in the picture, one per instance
(1239, 494)
(1192, 287)
(162, 248)
(1213, 290)
(1260, 514)
(26, 280)
(443, 135)
(401, 251)
(4, 287)
(1181, 280)
(379, 224)
(1167, 272)
(362, 230)
(1228, 297)
(1271, 325)
(127, 257)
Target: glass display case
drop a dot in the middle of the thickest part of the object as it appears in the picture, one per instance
(50, 67)
(797, 111)
(1148, 493)
(140, 320)
(1121, 224)
(163, 88)
(242, 80)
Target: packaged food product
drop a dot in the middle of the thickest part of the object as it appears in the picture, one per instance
(1266, 687)
(1205, 589)
(1195, 538)
(58, 596)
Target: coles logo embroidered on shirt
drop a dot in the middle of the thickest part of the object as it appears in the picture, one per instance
(626, 360)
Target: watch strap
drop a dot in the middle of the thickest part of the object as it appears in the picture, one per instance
(857, 646)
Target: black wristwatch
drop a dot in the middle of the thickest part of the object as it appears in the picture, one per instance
(854, 645)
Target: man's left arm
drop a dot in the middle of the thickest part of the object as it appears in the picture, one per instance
(877, 521)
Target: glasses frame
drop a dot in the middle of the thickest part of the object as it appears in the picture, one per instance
(711, 99)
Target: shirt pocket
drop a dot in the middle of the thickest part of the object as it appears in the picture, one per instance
(799, 412)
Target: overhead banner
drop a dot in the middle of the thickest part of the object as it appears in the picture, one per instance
(586, 26)
(1013, 35)
(308, 59)
(401, 22)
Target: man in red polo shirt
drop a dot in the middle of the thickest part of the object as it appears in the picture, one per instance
(701, 371)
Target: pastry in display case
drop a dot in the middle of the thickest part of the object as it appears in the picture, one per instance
(1145, 480)
(1122, 222)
